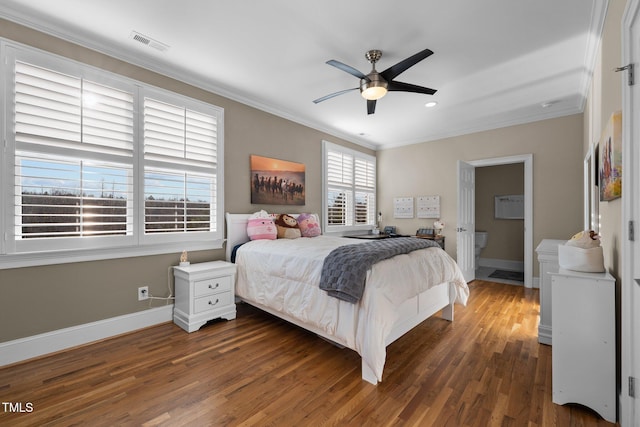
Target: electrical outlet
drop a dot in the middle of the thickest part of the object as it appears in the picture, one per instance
(143, 293)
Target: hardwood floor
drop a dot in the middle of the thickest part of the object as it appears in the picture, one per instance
(484, 369)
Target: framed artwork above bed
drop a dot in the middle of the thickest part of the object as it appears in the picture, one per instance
(277, 182)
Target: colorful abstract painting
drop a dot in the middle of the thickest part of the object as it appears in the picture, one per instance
(610, 159)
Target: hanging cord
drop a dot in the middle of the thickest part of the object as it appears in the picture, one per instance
(170, 297)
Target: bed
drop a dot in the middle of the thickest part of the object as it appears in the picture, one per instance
(282, 277)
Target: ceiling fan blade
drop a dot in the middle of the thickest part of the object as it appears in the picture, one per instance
(395, 70)
(408, 87)
(371, 106)
(349, 69)
(331, 95)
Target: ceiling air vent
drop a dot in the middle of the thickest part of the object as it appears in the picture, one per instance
(148, 41)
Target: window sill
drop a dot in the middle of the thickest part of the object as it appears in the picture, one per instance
(345, 231)
(71, 256)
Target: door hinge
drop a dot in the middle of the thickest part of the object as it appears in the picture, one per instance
(631, 232)
(630, 78)
(632, 387)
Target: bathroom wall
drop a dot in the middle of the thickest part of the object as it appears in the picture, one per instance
(506, 236)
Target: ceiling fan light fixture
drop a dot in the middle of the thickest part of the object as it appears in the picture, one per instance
(375, 85)
(374, 88)
(373, 92)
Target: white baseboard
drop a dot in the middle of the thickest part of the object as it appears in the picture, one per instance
(544, 334)
(50, 342)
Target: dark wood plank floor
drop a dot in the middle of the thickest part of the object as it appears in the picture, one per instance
(484, 369)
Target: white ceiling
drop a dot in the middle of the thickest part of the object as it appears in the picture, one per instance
(495, 62)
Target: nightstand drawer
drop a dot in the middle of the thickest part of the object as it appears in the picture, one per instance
(212, 301)
(210, 286)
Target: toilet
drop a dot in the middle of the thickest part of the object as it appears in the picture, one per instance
(480, 243)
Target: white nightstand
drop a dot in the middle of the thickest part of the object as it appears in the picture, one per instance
(204, 291)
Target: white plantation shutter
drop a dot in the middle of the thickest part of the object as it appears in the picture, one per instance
(176, 134)
(107, 118)
(73, 156)
(339, 176)
(339, 168)
(365, 188)
(60, 197)
(47, 106)
(180, 174)
(95, 163)
(57, 110)
(350, 187)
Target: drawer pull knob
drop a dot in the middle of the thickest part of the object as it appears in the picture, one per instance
(214, 287)
(214, 303)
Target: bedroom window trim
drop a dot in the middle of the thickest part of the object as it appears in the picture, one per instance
(350, 176)
(91, 149)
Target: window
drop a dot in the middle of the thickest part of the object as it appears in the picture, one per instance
(73, 155)
(349, 189)
(180, 160)
(100, 163)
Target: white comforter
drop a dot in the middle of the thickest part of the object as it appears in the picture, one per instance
(284, 275)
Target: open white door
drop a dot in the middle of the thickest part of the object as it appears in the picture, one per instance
(466, 219)
(630, 298)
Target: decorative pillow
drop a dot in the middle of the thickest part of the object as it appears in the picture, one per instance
(309, 225)
(287, 227)
(261, 227)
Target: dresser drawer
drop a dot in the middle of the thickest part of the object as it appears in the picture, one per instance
(210, 286)
(211, 302)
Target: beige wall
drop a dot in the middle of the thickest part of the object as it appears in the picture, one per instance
(605, 97)
(506, 236)
(431, 169)
(40, 299)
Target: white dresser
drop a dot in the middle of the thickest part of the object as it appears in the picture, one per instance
(584, 341)
(547, 252)
(204, 291)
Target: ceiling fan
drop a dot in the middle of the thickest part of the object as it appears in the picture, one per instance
(375, 85)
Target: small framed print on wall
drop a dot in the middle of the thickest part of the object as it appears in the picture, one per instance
(403, 207)
(428, 206)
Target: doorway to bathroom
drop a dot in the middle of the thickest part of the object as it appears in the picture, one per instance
(467, 220)
(499, 231)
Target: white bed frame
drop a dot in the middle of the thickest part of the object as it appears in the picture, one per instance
(411, 313)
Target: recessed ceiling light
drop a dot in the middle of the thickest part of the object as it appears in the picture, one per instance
(431, 104)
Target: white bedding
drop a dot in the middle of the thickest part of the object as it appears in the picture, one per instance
(284, 275)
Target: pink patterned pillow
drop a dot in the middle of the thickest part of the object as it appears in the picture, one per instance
(261, 229)
(309, 225)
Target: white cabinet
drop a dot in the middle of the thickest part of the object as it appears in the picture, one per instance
(204, 291)
(584, 341)
(548, 258)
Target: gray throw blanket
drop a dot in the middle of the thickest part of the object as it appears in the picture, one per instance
(345, 268)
